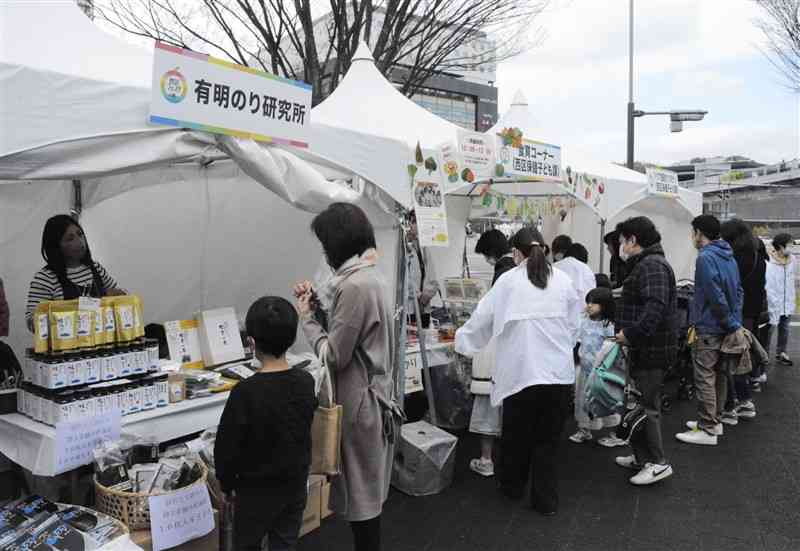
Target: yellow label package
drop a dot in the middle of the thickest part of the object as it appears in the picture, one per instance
(84, 330)
(109, 320)
(138, 316)
(41, 328)
(64, 325)
(125, 318)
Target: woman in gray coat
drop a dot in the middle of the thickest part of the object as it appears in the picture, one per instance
(356, 346)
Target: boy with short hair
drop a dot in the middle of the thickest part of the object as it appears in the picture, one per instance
(263, 448)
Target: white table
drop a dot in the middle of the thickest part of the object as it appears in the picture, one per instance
(32, 445)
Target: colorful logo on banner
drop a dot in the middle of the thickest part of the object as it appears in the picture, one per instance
(174, 86)
(200, 92)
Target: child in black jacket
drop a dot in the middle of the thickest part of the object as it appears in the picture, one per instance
(263, 447)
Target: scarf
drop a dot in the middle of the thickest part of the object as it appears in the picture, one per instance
(327, 290)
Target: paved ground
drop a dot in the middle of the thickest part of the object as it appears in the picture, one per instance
(743, 494)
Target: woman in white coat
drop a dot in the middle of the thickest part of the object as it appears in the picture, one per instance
(532, 312)
(781, 298)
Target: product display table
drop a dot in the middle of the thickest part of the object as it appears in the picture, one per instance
(32, 444)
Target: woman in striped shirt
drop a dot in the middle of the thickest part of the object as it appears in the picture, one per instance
(70, 271)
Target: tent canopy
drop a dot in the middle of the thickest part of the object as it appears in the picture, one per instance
(365, 100)
(79, 109)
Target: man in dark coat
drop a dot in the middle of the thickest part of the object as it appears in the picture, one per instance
(646, 325)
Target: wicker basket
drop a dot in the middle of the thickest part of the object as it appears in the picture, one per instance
(133, 509)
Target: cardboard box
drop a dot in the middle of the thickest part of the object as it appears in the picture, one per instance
(312, 514)
(210, 542)
(326, 500)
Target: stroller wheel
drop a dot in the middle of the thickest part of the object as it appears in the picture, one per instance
(666, 403)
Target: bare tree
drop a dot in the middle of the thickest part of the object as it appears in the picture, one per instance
(287, 38)
(781, 27)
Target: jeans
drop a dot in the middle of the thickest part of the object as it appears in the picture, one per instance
(260, 513)
(647, 444)
(533, 420)
(710, 380)
(783, 334)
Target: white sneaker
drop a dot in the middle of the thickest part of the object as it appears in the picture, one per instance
(697, 436)
(718, 430)
(581, 436)
(484, 467)
(628, 462)
(611, 441)
(651, 473)
(746, 410)
(730, 418)
(761, 378)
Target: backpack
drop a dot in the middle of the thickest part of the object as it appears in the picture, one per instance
(605, 386)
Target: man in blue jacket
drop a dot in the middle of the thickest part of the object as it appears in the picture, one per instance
(716, 312)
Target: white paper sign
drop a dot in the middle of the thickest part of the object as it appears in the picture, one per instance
(76, 440)
(428, 199)
(180, 516)
(413, 372)
(477, 153)
(197, 91)
(662, 182)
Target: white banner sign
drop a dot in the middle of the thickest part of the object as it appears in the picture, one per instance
(528, 158)
(180, 516)
(197, 91)
(77, 440)
(662, 182)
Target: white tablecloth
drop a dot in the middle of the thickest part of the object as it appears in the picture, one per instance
(32, 445)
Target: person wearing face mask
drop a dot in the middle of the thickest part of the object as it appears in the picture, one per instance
(70, 271)
(616, 264)
(561, 245)
(486, 419)
(357, 348)
(532, 311)
(645, 325)
(716, 313)
(574, 264)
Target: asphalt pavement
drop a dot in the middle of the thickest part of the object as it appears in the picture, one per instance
(743, 494)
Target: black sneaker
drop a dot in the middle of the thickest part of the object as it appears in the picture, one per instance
(784, 359)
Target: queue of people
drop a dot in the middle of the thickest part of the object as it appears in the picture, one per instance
(535, 338)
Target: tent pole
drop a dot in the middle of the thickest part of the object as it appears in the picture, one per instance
(400, 329)
(602, 244)
(77, 199)
(423, 352)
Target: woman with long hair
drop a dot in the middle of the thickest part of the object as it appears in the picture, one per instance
(70, 271)
(356, 346)
(532, 312)
(751, 259)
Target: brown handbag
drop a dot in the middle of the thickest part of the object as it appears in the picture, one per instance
(326, 432)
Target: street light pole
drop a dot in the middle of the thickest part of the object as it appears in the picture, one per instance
(629, 162)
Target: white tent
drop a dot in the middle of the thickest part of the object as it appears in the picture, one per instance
(165, 210)
(626, 195)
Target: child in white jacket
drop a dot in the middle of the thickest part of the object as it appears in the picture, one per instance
(781, 298)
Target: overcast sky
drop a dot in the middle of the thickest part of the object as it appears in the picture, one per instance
(689, 54)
